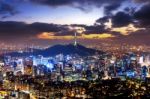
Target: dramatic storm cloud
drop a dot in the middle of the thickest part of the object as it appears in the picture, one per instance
(60, 19)
(81, 4)
(111, 7)
(121, 19)
(16, 30)
(95, 29)
(143, 16)
(130, 15)
(6, 9)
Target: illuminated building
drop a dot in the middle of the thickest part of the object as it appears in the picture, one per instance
(28, 70)
(20, 67)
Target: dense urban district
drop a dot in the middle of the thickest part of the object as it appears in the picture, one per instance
(93, 75)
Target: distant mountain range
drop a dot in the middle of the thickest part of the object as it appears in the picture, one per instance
(61, 49)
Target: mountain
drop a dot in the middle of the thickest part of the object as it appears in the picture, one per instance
(68, 49)
(62, 49)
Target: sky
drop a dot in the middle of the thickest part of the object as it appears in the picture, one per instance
(46, 22)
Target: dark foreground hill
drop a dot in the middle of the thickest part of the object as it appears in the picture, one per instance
(62, 49)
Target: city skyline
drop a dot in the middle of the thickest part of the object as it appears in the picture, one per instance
(74, 49)
(53, 21)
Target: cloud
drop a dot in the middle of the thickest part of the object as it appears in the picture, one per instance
(18, 30)
(143, 16)
(102, 20)
(45, 27)
(139, 16)
(141, 1)
(7, 10)
(12, 30)
(84, 5)
(121, 19)
(95, 29)
(111, 7)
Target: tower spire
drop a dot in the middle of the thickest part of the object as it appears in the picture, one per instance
(75, 39)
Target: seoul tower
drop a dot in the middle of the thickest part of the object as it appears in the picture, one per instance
(75, 39)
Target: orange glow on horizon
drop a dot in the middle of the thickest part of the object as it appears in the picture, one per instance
(50, 35)
(98, 36)
(126, 30)
(123, 30)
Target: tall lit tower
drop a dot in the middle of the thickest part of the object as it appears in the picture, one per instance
(75, 39)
